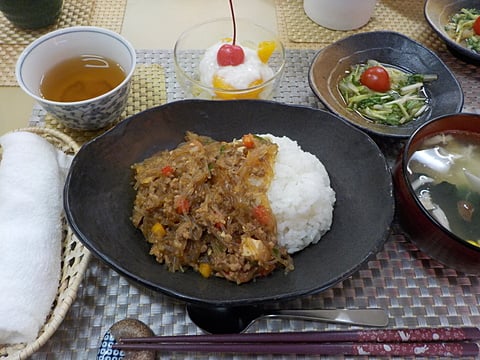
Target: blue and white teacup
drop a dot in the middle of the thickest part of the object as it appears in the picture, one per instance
(57, 46)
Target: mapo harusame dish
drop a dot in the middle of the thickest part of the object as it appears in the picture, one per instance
(236, 209)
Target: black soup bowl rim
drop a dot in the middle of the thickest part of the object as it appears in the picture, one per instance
(411, 192)
(457, 49)
(189, 286)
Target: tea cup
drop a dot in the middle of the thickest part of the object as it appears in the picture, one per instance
(48, 51)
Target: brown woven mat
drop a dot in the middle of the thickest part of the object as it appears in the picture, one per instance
(104, 13)
(147, 90)
(298, 31)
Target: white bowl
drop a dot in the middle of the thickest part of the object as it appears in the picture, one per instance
(54, 47)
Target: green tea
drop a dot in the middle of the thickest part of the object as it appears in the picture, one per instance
(81, 78)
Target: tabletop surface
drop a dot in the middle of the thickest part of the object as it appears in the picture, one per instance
(415, 290)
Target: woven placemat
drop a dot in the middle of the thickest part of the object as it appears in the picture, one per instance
(414, 289)
(103, 13)
(147, 90)
(74, 12)
(406, 17)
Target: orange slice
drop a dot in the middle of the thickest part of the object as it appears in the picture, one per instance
(220, 83)
(265, 50)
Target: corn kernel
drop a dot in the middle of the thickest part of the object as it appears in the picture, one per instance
(205, 270)
(159, 230)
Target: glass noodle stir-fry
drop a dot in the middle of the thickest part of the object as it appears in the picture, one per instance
(385, 94)
(464, 28)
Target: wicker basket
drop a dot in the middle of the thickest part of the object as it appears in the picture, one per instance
(75, 258)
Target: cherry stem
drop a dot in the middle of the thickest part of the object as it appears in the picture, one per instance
(234, 23)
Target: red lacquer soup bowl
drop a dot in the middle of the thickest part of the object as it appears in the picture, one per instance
(429, 232)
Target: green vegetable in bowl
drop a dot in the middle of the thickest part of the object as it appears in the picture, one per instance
(464, 28)
(384, 94)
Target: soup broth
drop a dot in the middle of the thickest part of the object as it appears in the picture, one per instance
(445, 175)
(81, 78)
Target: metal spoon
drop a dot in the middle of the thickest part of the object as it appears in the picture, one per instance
(238, 319)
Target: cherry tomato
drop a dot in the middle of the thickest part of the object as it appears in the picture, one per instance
(229, 54)
(376, 78)
(476, 26)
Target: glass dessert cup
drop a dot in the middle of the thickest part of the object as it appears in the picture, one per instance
(191, 48)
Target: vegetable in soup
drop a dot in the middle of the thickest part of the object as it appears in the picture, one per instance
(445, 174)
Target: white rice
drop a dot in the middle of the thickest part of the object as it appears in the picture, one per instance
(300, 196)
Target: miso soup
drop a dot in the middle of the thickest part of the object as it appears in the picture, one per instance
(445, 174)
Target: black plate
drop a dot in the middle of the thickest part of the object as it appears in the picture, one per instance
(99, 196)
(330, 64)
(439, 12)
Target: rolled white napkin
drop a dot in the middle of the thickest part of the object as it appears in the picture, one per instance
(32, 176)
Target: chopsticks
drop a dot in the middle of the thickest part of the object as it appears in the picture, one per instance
(447, 341)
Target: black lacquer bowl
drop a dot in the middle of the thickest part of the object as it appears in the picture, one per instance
(99, 196)
(330, 64)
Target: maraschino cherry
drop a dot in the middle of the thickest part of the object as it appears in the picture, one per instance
(231, 54)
